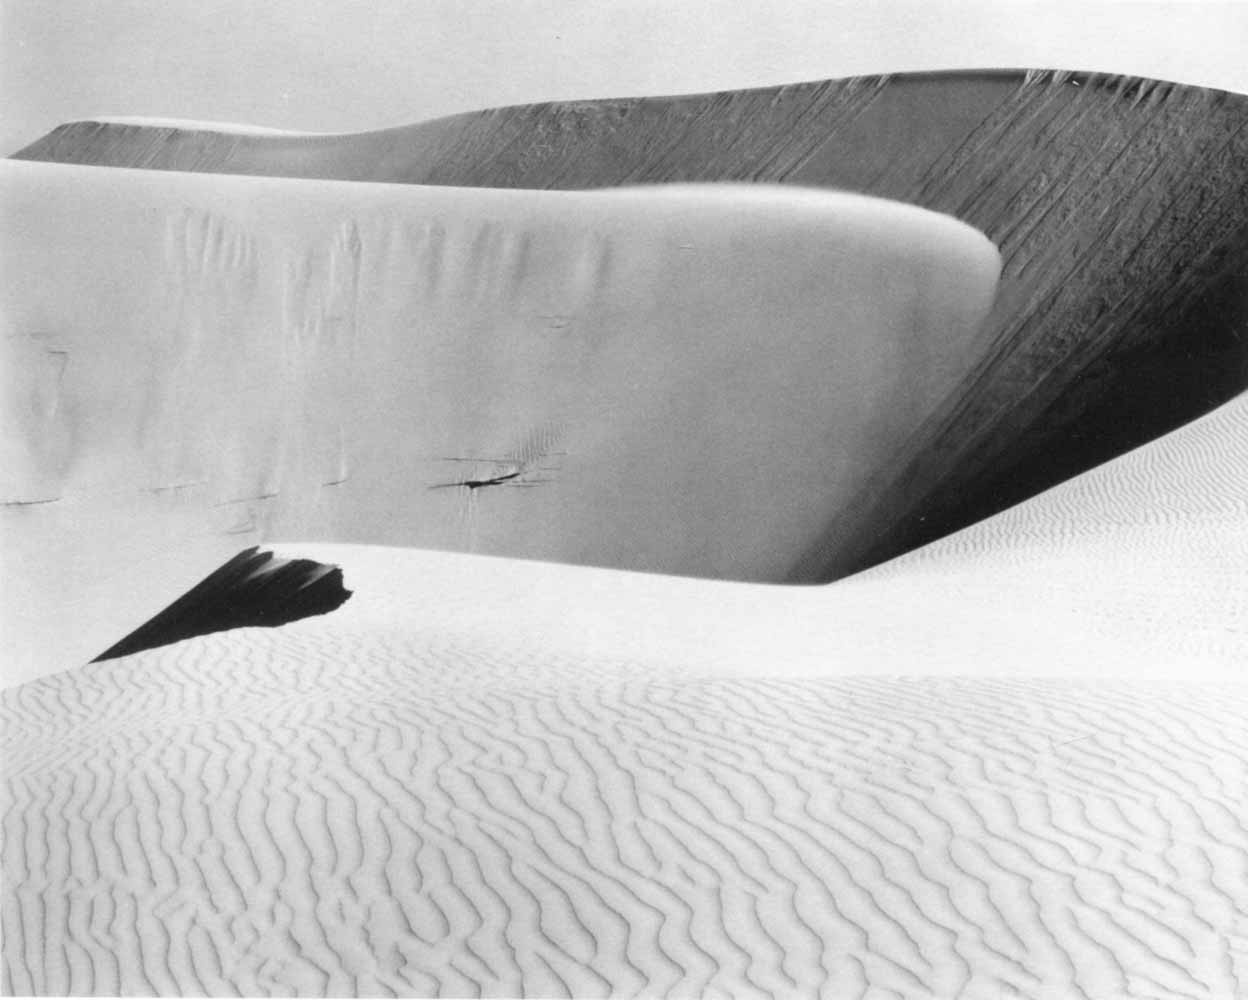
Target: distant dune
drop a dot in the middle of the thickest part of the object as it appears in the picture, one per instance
(1119, 205)
(508, 778)
(686, 381)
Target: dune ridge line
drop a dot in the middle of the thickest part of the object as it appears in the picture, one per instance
(688, 382)
(1117, 202)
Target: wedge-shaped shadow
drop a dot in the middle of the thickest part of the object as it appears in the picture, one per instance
(254, 589)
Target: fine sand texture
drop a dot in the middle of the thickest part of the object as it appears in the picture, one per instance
(1119, 205)
(462, 782)
(692, 381)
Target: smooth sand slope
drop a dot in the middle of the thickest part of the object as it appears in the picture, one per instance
(686, 381)
(485, 776)
(1137, 569)
(1119, 204)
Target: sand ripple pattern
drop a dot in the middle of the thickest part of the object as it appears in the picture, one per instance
(1177, 486)
(259, 812)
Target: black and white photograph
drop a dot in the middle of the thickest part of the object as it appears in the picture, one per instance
(615, 498)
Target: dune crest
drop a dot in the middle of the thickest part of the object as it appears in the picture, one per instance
(1118, 204)
(694, 381)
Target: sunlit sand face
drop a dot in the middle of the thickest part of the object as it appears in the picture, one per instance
(692, 381)
(1116, 203)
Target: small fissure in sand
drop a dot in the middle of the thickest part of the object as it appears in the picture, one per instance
(534, 463)
(476, 484)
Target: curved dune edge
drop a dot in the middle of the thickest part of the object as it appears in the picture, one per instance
(693, 381)
(446, 787)
(1136, 569)
(43, 147)
(1117, 203)
(197, 125)
(421, 152)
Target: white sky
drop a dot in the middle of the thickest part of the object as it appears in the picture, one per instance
(342, 65)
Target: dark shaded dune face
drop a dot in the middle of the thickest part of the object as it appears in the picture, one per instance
(1120, 207)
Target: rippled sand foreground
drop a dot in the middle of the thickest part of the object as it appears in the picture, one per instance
(441, 818)
(467, 780)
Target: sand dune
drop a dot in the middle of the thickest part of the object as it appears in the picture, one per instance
(1118, 204)
(1138, 569)
(487, 776)
(686, 381)
(1008, 763)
